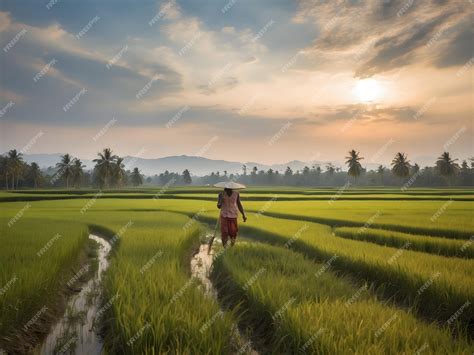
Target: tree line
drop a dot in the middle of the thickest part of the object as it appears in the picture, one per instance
(445, 172)
(109, 172)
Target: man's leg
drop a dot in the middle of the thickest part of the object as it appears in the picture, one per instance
(233, 229)
(224, 231)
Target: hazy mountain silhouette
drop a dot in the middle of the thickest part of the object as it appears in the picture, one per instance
(198, 166)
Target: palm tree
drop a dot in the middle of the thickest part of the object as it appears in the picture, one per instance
(14, 165)
(381, 173)
(65, 167)
(400, 165)
(35, 174)
(136, 177)
(77, 172)
(4, 168)
(415, 168)
(355, 168)
(105, 165)
(446, 166)
(466, 174)
(330, 169)
(118, 172)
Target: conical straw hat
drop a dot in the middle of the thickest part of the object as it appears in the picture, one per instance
(230, 185)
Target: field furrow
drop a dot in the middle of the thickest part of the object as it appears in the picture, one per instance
(150, 274)
(436, 286)
(298, 306)
(423, 243)
(38, 259)
(312, 272)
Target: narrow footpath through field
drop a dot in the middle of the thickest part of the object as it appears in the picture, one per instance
(76, 332)
(201, 264)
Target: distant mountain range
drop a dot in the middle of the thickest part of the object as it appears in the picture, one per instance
(198, 166)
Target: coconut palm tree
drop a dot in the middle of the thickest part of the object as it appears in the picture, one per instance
(118, 172)
(65, 167)
(35, 174)
(77, 172)
(446, 167)
(105, 165)
(136, 177)
(381, 172)
(4, 168)
(355, 168)
(14, 165)
(330, 169)
(400, 165)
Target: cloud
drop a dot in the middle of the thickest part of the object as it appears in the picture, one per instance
(363, 114)
(397, 50)
(171, 10)
(386, 35)
(459, 49)
(73, 67)
(5, 21)
(193, 55)
(223, 84)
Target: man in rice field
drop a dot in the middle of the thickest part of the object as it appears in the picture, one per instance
(229, 204)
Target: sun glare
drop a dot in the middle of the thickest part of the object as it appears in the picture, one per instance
(368, 90)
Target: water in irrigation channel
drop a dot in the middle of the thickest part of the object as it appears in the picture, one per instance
(75, 333)
(201, 264)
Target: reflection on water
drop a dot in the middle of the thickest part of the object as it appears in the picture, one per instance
(201, 264)
(74, 333)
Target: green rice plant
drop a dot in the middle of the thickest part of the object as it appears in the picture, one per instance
(146, 315)
(259, 194)
(435, 286)
(38, 258)
(435, 218)
(450, 219)
(294, 305)
(432, 245)
(159, 308)
(156, 306)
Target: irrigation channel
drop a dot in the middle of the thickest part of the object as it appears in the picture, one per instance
(201, 264)
(74, 332)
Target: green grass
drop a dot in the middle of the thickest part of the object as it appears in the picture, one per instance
(261, 194)
(37, 256)
(427, 244)
(147, 311)
(438, 218)
(399, 273)
(296, 308)
(150, 273)
(151, 300)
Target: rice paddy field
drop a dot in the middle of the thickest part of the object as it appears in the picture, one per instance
(314, 271)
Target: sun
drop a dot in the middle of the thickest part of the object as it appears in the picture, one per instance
(368, 90)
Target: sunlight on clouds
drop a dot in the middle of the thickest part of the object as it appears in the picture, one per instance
(319, 85)
(5, 21)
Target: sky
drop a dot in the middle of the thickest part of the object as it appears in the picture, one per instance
(243, 80)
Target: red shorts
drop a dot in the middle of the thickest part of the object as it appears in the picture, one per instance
(229, 228)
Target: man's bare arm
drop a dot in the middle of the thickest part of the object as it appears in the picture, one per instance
(219, 200)
(241, 208)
